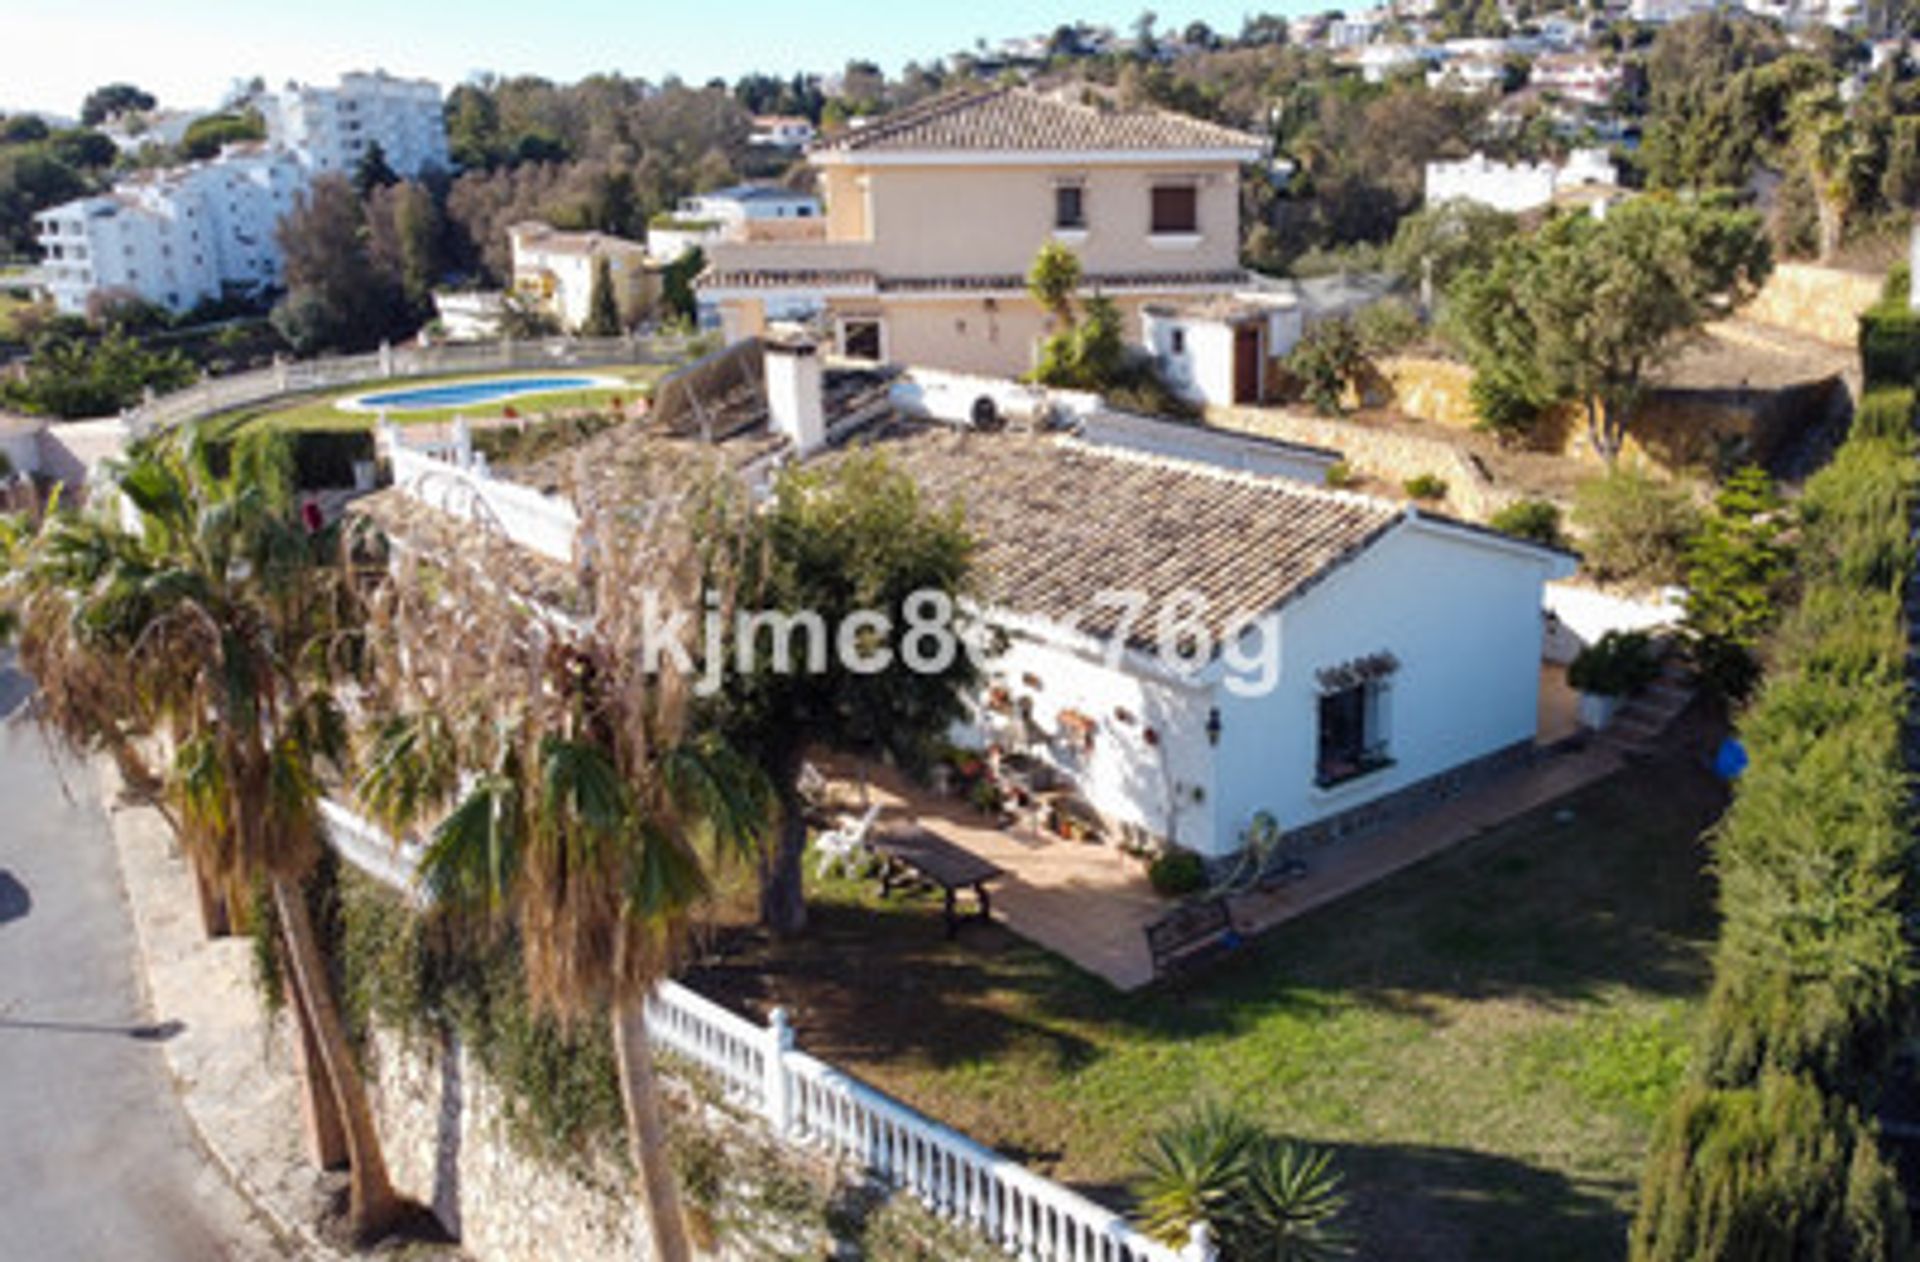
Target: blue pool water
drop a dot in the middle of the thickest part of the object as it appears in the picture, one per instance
(466, 393)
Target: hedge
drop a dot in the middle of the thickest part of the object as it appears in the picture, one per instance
(323, 459)
(1890, 345)
(1771, 1153)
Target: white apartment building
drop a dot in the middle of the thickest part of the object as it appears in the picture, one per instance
(331, 129)
(1516, 187)
(179, 236)
(174, 237)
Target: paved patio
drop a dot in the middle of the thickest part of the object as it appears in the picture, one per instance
(1091, 903)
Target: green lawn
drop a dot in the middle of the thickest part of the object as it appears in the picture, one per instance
(1483, 1039)
(317, 411)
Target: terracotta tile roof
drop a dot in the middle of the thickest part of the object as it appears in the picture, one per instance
(1015, 119)
(1059, 521)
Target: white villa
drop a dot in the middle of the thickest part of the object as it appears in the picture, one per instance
(739, 212)
(781, 131)
(554, 271)
(933, 216)
(1369, 654)
(1518, 187)
(177, 236)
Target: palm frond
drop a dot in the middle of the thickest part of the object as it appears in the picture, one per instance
(728, 796)
(473, 855)
(663, 877)
(410, 767)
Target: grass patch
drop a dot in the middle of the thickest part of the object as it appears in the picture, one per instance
(1483, 1039)
(11, 307)
(316, 411)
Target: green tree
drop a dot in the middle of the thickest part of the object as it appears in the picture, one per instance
(204, 137)
(1772, 1171)
(1325, 361)
(337, 296)
(32, 178)
(676, 285)
(79, 377)
(1634, 526)
(213, 622)
(1588, 309)
(115, 98)
(603, 307)
(1737, 568)
(404, 240)
(1053, 279)
(373, 171)
(851, 536)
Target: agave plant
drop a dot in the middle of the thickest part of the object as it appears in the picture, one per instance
(1194, 1170)
(1288, 1205)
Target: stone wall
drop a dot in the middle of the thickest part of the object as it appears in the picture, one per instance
(1822, 303)
(1674, 429)
(1387, 455)
(450, 1145)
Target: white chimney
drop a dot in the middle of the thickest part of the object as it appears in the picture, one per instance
(796, 394)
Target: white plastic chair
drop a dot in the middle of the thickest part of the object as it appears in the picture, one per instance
(841, 844)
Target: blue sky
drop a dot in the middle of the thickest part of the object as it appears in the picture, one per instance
(188, 51)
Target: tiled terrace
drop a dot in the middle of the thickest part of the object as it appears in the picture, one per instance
(1090, 903)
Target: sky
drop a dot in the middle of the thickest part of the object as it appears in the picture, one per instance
(187, 52)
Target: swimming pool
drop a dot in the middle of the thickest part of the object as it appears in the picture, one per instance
(458, 394)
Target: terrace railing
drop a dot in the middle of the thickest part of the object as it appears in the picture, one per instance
(288, 377)
(809, 1104)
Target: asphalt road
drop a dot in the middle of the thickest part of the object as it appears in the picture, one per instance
(97, 1161)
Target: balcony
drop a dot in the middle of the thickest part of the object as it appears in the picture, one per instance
(799, 247)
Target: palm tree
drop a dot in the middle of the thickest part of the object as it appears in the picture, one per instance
(1822, 137)
(574, 801)
(193, 611)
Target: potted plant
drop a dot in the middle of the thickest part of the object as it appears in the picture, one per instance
(1611, 669)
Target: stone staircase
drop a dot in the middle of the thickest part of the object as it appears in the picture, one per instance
(1639, 724)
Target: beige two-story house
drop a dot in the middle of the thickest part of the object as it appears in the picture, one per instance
(933, 216)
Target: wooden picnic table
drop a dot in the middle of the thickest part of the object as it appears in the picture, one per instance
(909, 850)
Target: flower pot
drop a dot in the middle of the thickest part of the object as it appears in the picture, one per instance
(1597, 710)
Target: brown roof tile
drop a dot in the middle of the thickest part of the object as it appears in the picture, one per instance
(1015, 119)
(1059, 522)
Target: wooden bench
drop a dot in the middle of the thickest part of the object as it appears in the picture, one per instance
(1189, 933)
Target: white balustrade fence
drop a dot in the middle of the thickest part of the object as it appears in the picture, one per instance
(807, 1103)
(460, 486)
(221, 394)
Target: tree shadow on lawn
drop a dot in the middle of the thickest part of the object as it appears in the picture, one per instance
(1434, 1204)
(1603, 891)
(1454, 1205)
